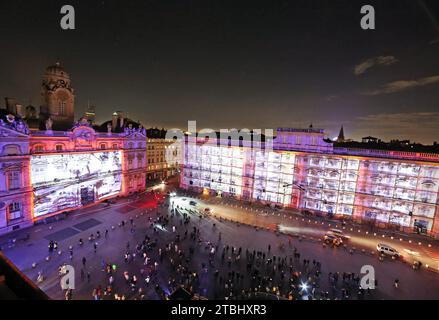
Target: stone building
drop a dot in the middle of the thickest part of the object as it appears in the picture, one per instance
(63, 166)
(301, 170)
(162, 154)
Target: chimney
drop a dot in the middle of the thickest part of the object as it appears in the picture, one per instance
(121, 120)
(114, 120)
(10, 105)
(20, 110)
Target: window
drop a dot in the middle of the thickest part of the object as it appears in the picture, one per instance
(130, 145)
(103, 146)
(11, 149)
(59, 147)
(14, 211)
(13, 180)
(115, 146)
(62, 108)
(39, 148)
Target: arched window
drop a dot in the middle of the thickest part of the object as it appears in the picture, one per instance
(115, 146)
(62, 108)
(103, 146)
(59, 147)
(130, 145)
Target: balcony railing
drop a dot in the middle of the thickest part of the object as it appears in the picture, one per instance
(433, 157)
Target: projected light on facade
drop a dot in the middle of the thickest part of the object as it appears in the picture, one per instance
(72, 180)
(394, 192)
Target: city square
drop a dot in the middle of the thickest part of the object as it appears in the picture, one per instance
(221, 255)
(235, 155)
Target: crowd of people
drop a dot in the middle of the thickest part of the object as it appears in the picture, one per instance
(185, 248)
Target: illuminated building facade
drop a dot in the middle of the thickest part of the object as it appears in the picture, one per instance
(60, 166)
(43, 173)
(302, 171)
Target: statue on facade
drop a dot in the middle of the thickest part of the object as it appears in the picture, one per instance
(82, 122)
(49, 123)
(22, 127)
(109, 127)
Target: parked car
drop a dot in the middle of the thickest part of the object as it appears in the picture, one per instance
(387, 250)
(208, 211)
(192, 203)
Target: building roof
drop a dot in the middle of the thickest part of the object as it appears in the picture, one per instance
(389, 146)
(16, 285)
(155, 133)
(56, 69)
(180, 294)
(119, 128)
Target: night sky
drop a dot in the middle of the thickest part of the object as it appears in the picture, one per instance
(236, 64)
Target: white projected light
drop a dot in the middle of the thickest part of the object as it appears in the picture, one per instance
(72, 180)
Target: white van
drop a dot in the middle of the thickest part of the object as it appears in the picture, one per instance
(387, 250)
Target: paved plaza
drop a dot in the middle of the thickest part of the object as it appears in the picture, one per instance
(151, 249)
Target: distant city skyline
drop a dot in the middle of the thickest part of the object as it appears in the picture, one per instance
(237, 64)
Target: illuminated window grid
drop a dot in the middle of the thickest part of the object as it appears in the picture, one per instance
(224, 165)
(273, 170)
(403, 183)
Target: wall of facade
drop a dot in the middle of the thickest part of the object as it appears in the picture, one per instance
(134, 164)
(386, 192)
(163, 158)
(15, 187)
(44, 173)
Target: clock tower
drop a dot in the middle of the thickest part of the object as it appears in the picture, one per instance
(58, 98)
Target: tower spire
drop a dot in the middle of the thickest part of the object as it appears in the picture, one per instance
(340, 137)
